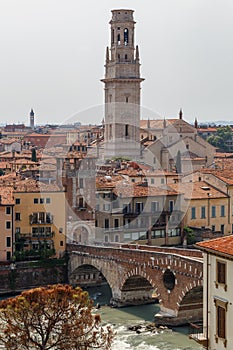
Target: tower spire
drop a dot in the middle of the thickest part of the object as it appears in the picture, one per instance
(137, 53)
(181, 114)
(107, 54)
(195, 123)
(32, 120)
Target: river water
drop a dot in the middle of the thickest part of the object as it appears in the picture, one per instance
(122, 318)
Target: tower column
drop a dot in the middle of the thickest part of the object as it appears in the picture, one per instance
(122, 89)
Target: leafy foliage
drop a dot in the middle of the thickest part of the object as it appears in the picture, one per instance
(34, 158)
(56, 317)
(223, 134)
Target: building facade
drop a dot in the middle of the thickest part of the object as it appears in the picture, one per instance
(122, 88)
(218, 295)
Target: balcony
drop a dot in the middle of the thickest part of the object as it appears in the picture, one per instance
(36, 220)
(198, 334)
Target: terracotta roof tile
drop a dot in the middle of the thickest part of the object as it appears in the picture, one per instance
(198, 190)
(223, 245)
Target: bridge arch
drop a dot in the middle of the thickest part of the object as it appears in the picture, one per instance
(109, 273)
(189, 300)
(141, 282)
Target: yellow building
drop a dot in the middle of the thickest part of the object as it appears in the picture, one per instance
(40, 217)
(6, 223)
(206, 207)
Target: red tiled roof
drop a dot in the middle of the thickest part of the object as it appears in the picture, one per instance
(198, 190)
(222, 245)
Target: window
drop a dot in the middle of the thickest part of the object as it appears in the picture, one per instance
(61, 243)
(126, 36)
(202, 212)
(221, 272)
(171, 206)
(222, 229)
(118, 39)
(80, 183)
(8, 255)
(222, 210)
(193, 213)
(213, 211)
(106, 239)
(126, 208)
(221, 322)
(106, 223)
(126, 130)
(8, 225)
(60, 230)
(139, 207)
(17, 230)
(213, 228)
(154, 207)
(17, 217)
(36, 200)
(48, 200)
(116, 238)
(17, 200)
(221, 309)
(162, 181)
(41, 200)
(8, 242)
(126, 57)
(116, 223)
(126, 99)
(112, 36)
(8, 210)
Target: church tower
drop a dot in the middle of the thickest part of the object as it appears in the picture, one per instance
(122, 88)
(32, 120)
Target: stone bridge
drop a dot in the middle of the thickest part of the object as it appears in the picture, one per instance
(137, 273)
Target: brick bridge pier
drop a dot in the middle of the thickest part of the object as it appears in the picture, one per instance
(134, 273)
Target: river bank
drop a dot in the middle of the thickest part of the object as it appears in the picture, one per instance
(127, 320)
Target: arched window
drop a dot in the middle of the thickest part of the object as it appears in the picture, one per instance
(118, 39)
(126, 130)
(126, 36)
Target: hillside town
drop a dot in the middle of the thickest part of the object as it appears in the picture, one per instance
(133, 182)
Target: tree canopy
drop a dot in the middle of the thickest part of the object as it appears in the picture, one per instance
(52, 318)
(223, 134)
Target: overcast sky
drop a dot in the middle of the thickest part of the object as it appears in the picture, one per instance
(52, 57)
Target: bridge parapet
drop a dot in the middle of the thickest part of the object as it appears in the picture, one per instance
(172, 273)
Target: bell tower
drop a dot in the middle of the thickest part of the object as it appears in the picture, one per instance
(122, 88)
(32, 120)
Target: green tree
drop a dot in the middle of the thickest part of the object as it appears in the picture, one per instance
(56, 317)
(223, 134)
(34, 158)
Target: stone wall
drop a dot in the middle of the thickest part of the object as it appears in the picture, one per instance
(27, 276)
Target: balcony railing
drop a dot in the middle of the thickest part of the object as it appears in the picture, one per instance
(37, 221)
(199, 334)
